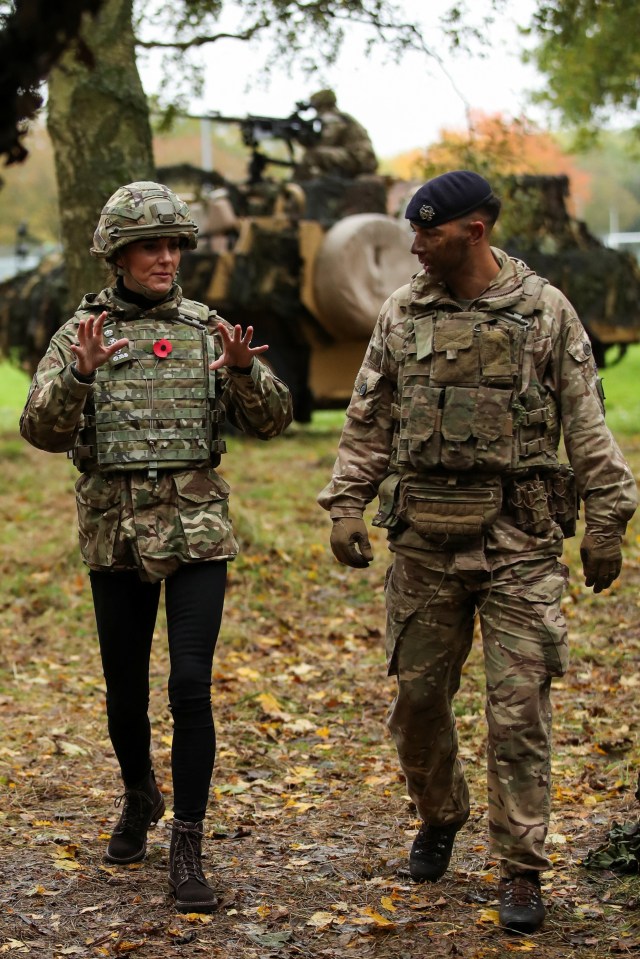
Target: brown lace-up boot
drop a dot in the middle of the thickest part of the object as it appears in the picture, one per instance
(186, 878)
(142, 806)
(521, 905)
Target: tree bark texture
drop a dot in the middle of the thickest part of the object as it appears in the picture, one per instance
(98, 119)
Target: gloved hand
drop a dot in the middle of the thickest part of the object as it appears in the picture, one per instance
(601, 556)
(350, 542)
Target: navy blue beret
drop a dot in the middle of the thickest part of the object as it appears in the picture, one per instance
(447, 197)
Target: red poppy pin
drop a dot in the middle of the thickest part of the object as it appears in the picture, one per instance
(162, 348)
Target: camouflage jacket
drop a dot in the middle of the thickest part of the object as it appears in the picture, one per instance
(563, 365)
(344, 148)
(128, 520)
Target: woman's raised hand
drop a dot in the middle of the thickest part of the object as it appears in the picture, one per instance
(236, 347)
(90, 351)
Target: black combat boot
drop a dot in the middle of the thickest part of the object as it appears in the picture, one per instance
(142, 806)
(431, 852)
(186, 878)
(521, 905)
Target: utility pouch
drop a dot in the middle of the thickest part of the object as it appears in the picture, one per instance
(564, 503)
(450, 510)
(387, 515)
(529, 506)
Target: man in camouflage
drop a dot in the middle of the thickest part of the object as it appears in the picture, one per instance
(135, 387)
(344, 148)
(473, 370)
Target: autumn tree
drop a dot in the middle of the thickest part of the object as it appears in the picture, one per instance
(501, 146)
(506, 151)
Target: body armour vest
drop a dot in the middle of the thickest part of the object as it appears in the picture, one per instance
(153, 404)
(469, 398)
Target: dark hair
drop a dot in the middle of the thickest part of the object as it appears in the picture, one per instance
(489, 211)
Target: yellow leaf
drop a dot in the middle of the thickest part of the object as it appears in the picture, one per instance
(377, 917)
(323, 732)
(305, 772)
(200, 917)
(489, 915)
(245, 672)
(68, 865)
(39, 891)
(298, 806)
(387, 903)
(65, 852)
(320, 920)
(263, 911)
(271, 707)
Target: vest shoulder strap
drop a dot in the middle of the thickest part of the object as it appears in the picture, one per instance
(533, 285)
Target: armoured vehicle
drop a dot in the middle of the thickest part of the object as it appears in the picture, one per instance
(309, 263)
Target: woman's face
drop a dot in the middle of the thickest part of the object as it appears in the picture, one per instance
(150, 265)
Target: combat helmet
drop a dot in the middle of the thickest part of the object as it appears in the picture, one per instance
(138, 210)
(323, 100)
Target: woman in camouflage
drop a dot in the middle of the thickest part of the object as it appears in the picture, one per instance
(135, 387)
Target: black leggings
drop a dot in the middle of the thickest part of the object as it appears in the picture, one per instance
(126, 610)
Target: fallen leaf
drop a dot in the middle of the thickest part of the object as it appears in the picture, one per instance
(489, 915)
(320, 920)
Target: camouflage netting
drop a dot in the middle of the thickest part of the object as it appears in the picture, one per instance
(602, 284)
(620, 852)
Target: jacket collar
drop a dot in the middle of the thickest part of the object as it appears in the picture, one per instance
(120, 309)
(504, 291)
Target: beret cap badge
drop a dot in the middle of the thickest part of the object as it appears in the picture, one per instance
(427, 212)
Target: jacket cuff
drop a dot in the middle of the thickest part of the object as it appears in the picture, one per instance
(82, 377)
(242, 374)
(76, 387)
(346, 512)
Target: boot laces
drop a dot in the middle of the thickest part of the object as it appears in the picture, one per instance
(133, 815)
(188, 851)
(435, 841)
(521, 891)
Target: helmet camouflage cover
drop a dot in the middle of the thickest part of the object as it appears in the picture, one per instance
(138, 210)
(323, 99)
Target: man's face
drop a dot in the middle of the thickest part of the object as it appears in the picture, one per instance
(443, 251)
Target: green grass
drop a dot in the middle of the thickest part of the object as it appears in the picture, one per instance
(14, 386)
(622, 391)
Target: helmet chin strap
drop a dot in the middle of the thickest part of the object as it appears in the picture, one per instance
(139, 287)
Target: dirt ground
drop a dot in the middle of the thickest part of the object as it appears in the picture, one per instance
(309, 825)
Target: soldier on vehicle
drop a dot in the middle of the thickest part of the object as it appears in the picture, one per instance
(136, 385)
(344, 148)
(472, 371)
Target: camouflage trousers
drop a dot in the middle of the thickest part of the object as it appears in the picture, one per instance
(430, 625)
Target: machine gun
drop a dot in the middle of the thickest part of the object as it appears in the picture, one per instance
(255, 129)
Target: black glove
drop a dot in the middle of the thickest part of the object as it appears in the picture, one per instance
(350, 542)
(601, 556)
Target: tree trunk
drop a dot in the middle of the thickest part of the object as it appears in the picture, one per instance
(98, 119)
